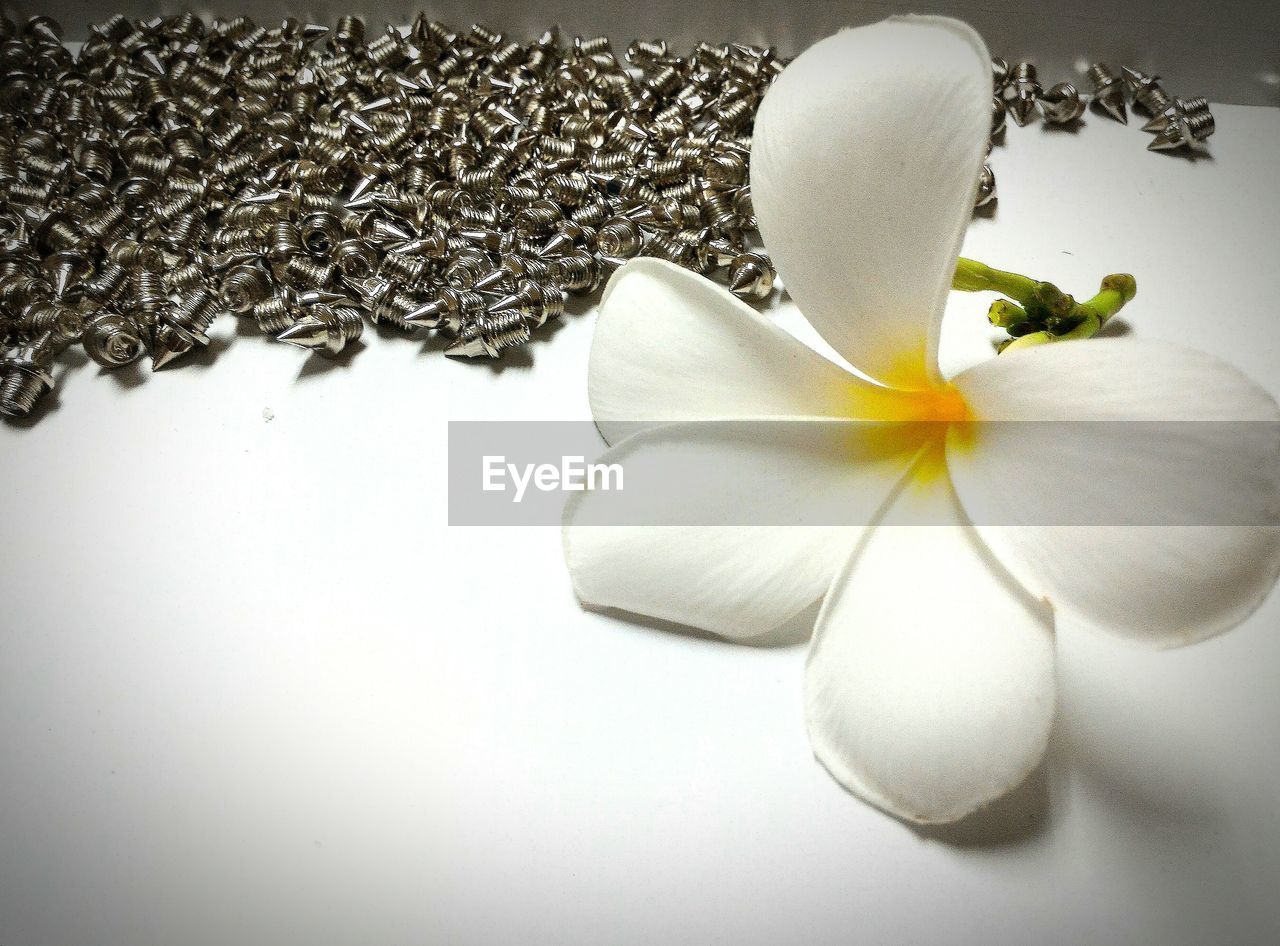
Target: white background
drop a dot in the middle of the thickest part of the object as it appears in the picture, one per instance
(254, 690)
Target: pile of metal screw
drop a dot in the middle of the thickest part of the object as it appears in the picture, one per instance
(1176, 123)
(309, 179)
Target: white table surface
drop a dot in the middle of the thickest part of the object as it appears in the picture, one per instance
(254, 690)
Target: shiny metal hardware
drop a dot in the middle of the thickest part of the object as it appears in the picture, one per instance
(1000, 73)
(1108, 92)
(309, 179)
(1022, 91)
(27, 377)
(538, 304)
(751, 276)
(1186, 129)
(490, 336)
(1146, 91)
(986, 193)
(325, 328)
(1175, 107)
(112, 340)
(998, 113)
(1061, 104)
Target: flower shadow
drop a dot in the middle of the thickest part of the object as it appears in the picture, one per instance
(1017, 818)
(1161, 810)
(1115, 328)
(1073, 771)
(793, 633)
(1076, 772)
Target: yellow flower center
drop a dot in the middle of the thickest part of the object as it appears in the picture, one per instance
(942, 404)
(912, 420)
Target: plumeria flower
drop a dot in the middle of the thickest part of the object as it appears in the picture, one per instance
(929, 685)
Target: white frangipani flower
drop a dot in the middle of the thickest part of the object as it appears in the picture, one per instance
(930, 704)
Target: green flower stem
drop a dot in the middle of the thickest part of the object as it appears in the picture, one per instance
(1117, 289)
(1041, 312)
(1006, 314)
(972, 276)
(1029, 341)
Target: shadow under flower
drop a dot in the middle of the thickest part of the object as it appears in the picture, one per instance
(1115, 328)
(1073, 770)
(791, 634)
(1017, 818)
(1078, 771)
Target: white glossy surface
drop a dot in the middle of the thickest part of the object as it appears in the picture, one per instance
(253, 689)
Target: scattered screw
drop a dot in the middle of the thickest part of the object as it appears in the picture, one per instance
(309, 179)
(1170, 112)
(1022, 92)
(326, 328)
(26, 378)
(999, 73)
(1108, 92)
(751, 276)
(1147, 92)
(1186, 129)
(112, 341)
(1061, 104)
(986, 187)
(538, 304)
(998, 111)
(490, 335)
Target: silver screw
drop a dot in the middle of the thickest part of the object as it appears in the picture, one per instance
(1176, 107)
(1186, 129)
(538, 304)
(490, 336)
(177, 169)
(1108, 92)
(751, 276)
(1000, 73)
(1061, 104)
(325, 328)
(986, 187)
(1022, 91)
(1147, 92)
(998, 112)
(26, 377)
(112, 340)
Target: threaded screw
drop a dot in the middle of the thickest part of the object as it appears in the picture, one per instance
(490, 336)
(1108, 91)
(1022, 91)
(1061, 104)
(112, 340)
(1187, 129)
(325, 328)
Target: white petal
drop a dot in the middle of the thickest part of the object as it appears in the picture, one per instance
(1160, 523)
(671, 345)
(1113, 379)
(773, 508)
(864, 163)
(929, 687)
